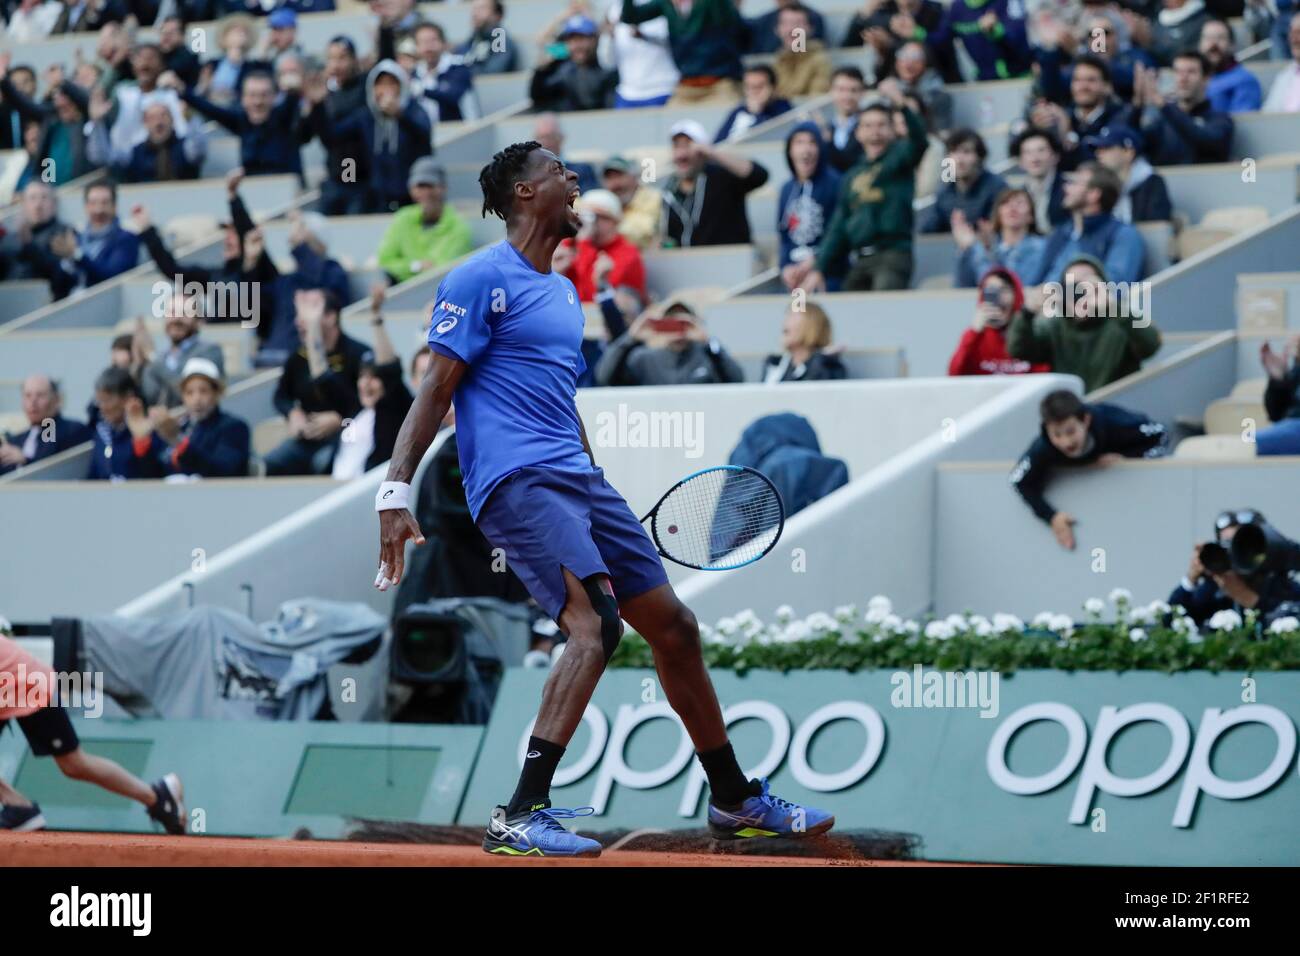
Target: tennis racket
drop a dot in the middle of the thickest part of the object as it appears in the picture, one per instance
(718, 519)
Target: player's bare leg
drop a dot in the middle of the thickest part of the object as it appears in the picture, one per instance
(738, 807)
(163, 799)
(11, 797)
(573, 678)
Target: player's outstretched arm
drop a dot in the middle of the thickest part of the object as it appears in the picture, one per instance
(396, 523)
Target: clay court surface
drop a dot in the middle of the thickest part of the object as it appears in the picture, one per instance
(124, 849)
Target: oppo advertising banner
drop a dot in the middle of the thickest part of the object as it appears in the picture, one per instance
(1039, 767)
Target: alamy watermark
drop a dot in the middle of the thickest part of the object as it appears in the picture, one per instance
(628, 428)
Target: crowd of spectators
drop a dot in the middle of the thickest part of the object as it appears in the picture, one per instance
(1099, 121)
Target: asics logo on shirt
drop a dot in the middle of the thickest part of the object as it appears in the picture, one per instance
(446, 325)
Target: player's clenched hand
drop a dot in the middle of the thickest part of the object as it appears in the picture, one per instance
(396, 525)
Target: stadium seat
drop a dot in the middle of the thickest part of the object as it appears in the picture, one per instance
(1227, 415)
(1214, 448)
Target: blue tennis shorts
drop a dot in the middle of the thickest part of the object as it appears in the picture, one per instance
(546, 519)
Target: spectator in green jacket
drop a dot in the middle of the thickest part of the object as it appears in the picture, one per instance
(706, 37)
(429, 233)
(872, 221)
(1091, 328)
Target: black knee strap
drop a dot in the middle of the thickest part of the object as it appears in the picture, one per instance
(611, 626)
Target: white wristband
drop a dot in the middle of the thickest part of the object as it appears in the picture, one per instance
(391, 495)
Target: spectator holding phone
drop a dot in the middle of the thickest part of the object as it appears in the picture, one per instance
(1074, 434)
(983, 347)
(667, 345)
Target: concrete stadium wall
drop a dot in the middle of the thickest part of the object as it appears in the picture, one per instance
(80, 547)
(1145, 515)
(875, 536)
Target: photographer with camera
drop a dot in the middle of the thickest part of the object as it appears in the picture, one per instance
(1247, 566)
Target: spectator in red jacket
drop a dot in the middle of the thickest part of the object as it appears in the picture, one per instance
(602, 212)
(983, 347)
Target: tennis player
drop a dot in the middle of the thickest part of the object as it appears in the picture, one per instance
(506, 336)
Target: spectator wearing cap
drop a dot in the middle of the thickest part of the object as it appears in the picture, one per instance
(1038, 153)
(441, 78)
(807, 354)
(760, 104)
(318, 388)
(667, 345)
(267, 128)
(1145, 197)
(642, 58)
(1232, 87)
(1011, 240)
(394, 130)
(1086, 331)
(807, 199)
(203, 440)
(577, 82)
(47, 432)
(1284, 94)
(335, 95)
(704, 197)
(1091, 192)
(281, 39)
(803, 67)
(1182, 128)
(550, 135)
(429, 233)
(972, 187)
(706, 38)
(642, 204)
(600, 240)
(123, 437)
(764, 32)
(369, 438)
(489, 49)
(872, 224)
(160, 377)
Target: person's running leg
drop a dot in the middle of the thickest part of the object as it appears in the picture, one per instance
(102, 772)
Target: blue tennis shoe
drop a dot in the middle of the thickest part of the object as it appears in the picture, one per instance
(537, 832)
(766, 815)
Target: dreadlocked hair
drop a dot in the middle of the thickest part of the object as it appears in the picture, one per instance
(498, 178)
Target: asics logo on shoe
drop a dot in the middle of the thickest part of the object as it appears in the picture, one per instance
(751, 820)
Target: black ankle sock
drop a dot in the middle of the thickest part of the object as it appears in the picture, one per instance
(535, 779)
(728, 783)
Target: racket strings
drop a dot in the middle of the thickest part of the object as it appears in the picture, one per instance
(719, 519)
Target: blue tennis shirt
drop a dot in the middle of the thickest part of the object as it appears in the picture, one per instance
(520, 333)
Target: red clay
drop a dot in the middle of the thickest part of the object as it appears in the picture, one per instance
(129, 849)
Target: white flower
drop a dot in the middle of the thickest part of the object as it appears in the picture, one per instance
(1120, 596)
(747, 619)
(911, 627)
(709, 636)
(878, 608)
(1007, 622)
(1283, 625)
(1158, 607)
(1062, 624)
(1226, 620)
(850, 637)
(981, 626)
(1094, 605)
(957, 623)
(1137, 634)
(821, 623)
(939, 630)
(785, 614)
(728, 627)
(845, 613)
(795, 631)
(1043, 619)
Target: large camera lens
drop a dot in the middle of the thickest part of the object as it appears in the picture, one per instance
(1215, 559)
